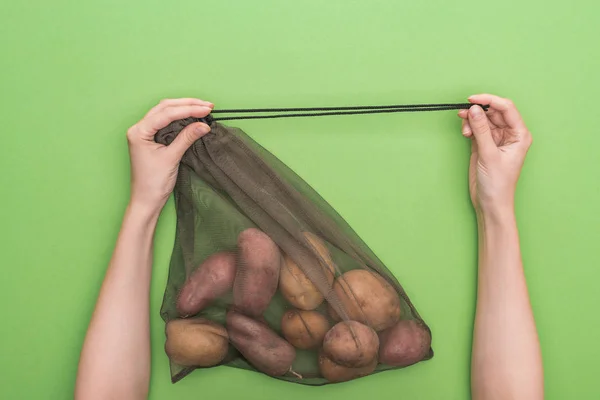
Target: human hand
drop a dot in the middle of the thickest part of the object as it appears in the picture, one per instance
(154, 166)
(499, 144)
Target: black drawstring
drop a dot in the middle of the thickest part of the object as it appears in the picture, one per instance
(324, 111)
(451, 106)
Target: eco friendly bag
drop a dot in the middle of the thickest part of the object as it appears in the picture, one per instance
(265, 275)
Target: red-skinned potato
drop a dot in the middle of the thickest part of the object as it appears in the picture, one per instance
(304, 329)
(257, 276)
(351, 344)
(367, 298)
(212, 279)
(196, 342)
(262, 347)
(405, 343)
(334, 372)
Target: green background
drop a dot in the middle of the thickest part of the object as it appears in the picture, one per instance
(74, 75)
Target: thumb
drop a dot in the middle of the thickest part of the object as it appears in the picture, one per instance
(481, 130)
(187, 137)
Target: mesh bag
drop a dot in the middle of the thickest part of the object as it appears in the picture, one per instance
(266, 276)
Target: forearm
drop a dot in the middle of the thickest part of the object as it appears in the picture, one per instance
(115, 360)
(506, 354)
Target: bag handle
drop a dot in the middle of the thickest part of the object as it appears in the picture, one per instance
(327, 111)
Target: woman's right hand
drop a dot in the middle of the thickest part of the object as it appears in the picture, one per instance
(500, 141)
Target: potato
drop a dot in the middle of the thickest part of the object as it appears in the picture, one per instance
(405, 343)
(295, 286)
(259, 262)
(196, 342)
(367, 298)
(337, 373)
(319, 247)
(262, 347)
(351, 344)
(211, 280)
(304, 329)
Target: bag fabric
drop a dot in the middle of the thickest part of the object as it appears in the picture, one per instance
(232, 194)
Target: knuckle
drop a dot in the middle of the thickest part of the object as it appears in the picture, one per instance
(131, 133)
(480, 119)
(480, 124)
(170, 113)
(188, 140)
(508, 103)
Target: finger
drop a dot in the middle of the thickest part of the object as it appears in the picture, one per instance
(187, 137)
(474, 149)
(466, 129)
(179, 102)
(496, 119)
(505, 107)
(463, 113)
(481, 130)
(152, 123)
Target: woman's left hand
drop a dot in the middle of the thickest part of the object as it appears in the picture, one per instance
(154, 166)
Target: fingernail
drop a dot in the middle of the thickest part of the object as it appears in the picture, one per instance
(466, 130)
(211, 105)
(476, 111)
(202, 129)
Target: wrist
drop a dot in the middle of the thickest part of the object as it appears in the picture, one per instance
(497, 215)
(143, 211)
(497, 207)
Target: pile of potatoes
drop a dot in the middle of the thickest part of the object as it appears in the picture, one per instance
(373, 333)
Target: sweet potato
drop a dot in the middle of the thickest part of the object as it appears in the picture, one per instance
(259, 262)
(405, 343)
(367, 298)
(212, 279)
(351, 344)
(304, 329)
(334, 372)
(262, 347)
(196, 342)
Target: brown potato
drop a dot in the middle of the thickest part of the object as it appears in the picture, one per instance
(304, 329)
(367, 298)
(319, 247)
(295, 286)
(196, 342)
(212, 279)
(261, 346)
(338, 373)
(405, 343)
(351, 344)
(259, 262)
